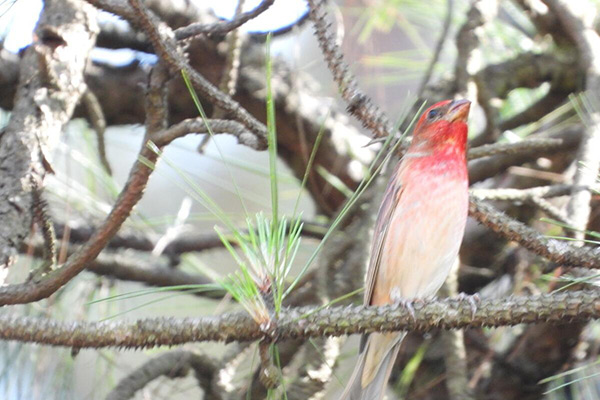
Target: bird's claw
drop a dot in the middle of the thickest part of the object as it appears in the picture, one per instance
(408, 306)
(473, 300)
(403, 302)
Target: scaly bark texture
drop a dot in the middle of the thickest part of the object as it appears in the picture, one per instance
(50, 84)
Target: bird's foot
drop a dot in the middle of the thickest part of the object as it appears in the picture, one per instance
(403, 302)
(473, 300)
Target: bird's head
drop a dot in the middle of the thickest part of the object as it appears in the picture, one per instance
(443, 125)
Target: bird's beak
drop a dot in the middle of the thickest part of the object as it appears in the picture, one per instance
(459, 110)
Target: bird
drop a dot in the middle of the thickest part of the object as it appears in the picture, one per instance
(417, 236)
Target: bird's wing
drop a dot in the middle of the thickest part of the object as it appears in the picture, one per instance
(390, 201)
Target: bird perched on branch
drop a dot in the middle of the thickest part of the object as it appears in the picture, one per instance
(417, 236)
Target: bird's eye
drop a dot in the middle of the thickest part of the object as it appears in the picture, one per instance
(433, 113)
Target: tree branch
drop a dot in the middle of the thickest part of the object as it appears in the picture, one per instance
(580, 27)
(306, 322)
(174, 364)
(527, 146)
(132, 192)
(196, 29)
(359, 104)
(552, 249)
(51, 81)
(162, 38)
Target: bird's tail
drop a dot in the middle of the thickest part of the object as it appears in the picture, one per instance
(374, 366)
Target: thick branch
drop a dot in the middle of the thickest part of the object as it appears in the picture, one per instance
(306, 322)
(523, 147)
(132, 192)
(50, 84)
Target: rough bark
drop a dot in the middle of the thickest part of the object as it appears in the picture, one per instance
(51, 81)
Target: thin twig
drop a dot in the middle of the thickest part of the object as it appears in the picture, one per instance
(196, 29)
(41, 213)
(230, 73)
(493, 165)
(190, 242)
(98, 122)
(439, 46)
(551, 210)
(154, 274)
(217, 126)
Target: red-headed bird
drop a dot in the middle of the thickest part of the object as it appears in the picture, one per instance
(417, 235)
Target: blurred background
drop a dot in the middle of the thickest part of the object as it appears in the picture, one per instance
(388, 45)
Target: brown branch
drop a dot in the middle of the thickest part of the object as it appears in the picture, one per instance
(174, 364)
(544, 21)
(132, 192)
(217, 126)
(163, 41)
(552, 249)
(508, 194)
(151, 274)
(468, 60)
(359, 104)
(306, 322)
(50, 85)
(535, 196)
(269, 374)
(196, 29)
(230, 72)
(530, 70)
(455, 356)
(439, 46)
(523, 147)
(41, 212)
(190, 242)
(535, 111)
(98, 123)
(493, 165)
(583, 34)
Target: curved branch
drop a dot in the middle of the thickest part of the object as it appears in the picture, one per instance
(163, 41)
(132, 192)
(195, 29)
(174, 364)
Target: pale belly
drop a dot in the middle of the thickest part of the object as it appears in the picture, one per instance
(422, 241)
